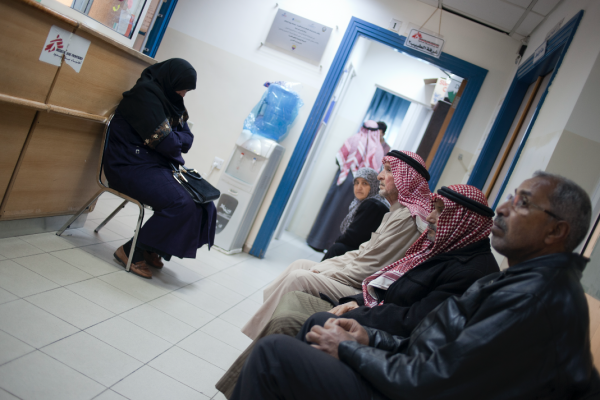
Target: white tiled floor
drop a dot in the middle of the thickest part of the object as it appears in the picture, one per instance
(75, 325)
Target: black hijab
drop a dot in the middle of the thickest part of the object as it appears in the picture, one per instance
(153, 99)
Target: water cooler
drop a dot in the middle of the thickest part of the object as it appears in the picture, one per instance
(243, 186)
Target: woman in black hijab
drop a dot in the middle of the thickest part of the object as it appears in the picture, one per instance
(148, 133)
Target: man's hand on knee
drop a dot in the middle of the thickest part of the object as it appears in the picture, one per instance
(344, 308)
(327, 338)
(354, 329)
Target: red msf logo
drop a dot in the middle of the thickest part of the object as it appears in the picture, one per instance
(417, 36)
(54, 44)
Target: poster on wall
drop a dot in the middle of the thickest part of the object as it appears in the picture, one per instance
(299, 36)
(424, 42)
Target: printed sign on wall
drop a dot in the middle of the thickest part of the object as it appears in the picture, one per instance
(61, 42)
(300, 36)
(425, 43)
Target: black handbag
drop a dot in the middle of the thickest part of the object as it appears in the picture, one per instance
(198, 187)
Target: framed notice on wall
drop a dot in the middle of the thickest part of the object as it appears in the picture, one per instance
(298, 36)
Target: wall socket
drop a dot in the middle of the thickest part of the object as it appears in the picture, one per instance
(395, 25)
(218, 162)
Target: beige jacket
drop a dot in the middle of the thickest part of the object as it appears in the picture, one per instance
(394, 236)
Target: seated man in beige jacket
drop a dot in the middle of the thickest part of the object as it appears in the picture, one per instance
(403, 182)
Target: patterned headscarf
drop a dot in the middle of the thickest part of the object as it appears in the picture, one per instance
(360, 150)
(457, 226)
(413, 190)
(370, 175)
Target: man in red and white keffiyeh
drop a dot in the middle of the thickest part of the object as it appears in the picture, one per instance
(360, 150)
(464, 219)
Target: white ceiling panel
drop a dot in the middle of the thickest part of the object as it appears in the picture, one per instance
(492, 12)
(545, 6)
(431, 2)
(520, 3)
(529, 23)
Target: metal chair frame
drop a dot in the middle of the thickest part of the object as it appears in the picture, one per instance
(105, 188)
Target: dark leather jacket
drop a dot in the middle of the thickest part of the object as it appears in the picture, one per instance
(518, 334)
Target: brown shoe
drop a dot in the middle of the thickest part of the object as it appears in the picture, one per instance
(139, 268)
(153, 259)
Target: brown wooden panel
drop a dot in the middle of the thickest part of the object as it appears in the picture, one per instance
(58, 171)
(16, 122)
(105, 74)
(23, 30)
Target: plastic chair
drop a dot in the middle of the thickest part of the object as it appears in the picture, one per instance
(105, 188)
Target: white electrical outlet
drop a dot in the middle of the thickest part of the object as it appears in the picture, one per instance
(218, 163)
(395, 25)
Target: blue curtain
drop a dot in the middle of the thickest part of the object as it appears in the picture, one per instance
(387, 108)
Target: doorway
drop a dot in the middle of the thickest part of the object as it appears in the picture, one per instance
(358, 28)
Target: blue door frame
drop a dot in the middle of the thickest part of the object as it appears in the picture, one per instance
(556, 48)
(160, 27)
(357, 27)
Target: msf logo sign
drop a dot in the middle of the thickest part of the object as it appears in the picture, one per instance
(417, 36)
(56, 44)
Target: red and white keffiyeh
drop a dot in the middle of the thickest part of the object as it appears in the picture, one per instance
(360, 150)
(413, 189)
(457, 227)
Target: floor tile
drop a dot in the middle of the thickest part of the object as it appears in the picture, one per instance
(134, 285)
(257, 297)
(32, 325)
(105, 295)
(238, 285)
(236, 316)
(4, 395)
(55, 269)
(227, 333)
(182, 310)
(93, 358)
(181, 273)
(15, 247)
(194, 295)
(104, 251)
(201, 268)
(109, 395)
(219, 396)
(219, 291)
(161, 279)
(129, 338)
(38, 376)
(187, 369)
(161, 324)
(105, 234)
(150, 384)
(249, 306)
(87, 262)
(70, 307)
(210, 349)
(11, 348)
(49, 241)
(6, 296)
(22, 281)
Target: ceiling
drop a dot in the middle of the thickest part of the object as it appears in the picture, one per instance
(516, 17)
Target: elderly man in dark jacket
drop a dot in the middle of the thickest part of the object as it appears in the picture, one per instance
(518, 334)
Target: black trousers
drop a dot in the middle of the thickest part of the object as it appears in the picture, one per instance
(281, 367)
(337, 249)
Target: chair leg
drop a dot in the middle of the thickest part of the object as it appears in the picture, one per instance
(107, 220)
(81, 210)
(135, 236)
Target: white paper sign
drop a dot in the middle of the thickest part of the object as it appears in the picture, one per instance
(424, 42)
(62, 42)
(55, 46)
(539, 52)
(300, 36)
(76, 52)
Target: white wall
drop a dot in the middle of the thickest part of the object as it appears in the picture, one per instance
(381, 65)
(222, 39)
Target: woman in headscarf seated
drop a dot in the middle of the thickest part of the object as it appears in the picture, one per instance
(364, 216)
(148, 134)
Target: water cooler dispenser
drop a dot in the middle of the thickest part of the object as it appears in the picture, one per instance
(243, 186)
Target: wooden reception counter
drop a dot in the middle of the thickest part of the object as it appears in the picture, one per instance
(52, 116)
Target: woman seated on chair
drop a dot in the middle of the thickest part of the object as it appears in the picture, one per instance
(147, 134)
(364, 214)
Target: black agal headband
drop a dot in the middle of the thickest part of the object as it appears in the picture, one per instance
(410, 161)
(466, 202)
(371, 129)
